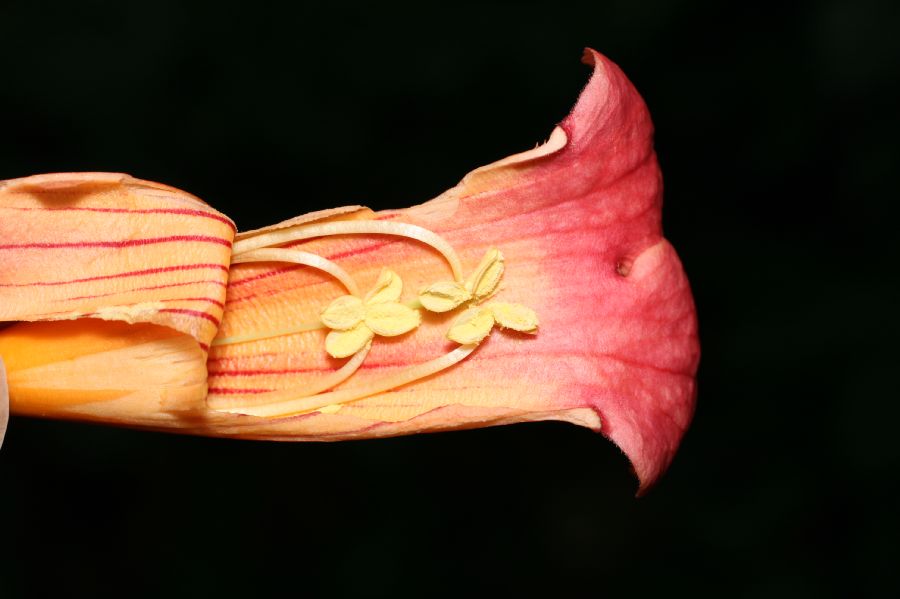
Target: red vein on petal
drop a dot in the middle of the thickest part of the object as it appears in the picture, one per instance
(188, 312)
(230, 391)
(262, 371)
(183, 211)
(238, 358)
(131, 273)
(264, 275)
(269, 293)
(207, 300)
(151, 287)
(117, 244)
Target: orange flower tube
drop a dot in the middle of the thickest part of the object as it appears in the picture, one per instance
(539, 288)
(118, 288)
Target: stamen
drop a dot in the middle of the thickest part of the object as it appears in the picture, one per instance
(358, 227)
(333, 379)
(308, 402)
(300, 328)
(298, 257)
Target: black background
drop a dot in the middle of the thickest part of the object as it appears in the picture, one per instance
(776, 131)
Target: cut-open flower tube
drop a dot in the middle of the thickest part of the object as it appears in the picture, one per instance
(539, 288)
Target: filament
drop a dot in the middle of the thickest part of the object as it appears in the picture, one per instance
(298, 257)
(332, 379)
(309, 402)
(360, 227)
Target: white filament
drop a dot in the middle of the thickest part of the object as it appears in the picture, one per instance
(354, 227)
(298, 257)
(307, 403)
(243, 405)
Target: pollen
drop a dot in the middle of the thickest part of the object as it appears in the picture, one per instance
(515, 316)
(357, 321)
(484, 282)
(444, 296)
(473, 325)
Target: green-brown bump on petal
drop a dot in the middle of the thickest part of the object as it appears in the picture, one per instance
(387, 288)
(443, 296)
(344, 313)
(472, 326)
(515, 316)
(341, 344)
(391, 319)
(486, 278)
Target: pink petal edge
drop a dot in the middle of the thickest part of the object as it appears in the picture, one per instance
(625, 311)
(650, 405)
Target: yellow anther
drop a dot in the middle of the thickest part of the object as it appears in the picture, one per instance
(354, 322)
(340, 344)
(444, 296)
(472, 326)
(484, 281)
(387, 288)
(515, 316)
(344, 313)
(391, 319)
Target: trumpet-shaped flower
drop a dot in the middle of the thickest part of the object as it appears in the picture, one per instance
(572, 228)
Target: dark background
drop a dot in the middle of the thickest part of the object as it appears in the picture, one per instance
(776, 129)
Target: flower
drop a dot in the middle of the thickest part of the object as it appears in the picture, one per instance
(572, 226)
(355, 321)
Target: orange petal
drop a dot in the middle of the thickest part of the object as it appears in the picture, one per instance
(105, 371)
(118, 286)
(578, 223)
(106, 245)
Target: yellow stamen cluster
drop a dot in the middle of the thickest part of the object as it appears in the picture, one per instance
(354, 321)
(445, 296)
(473, 325)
